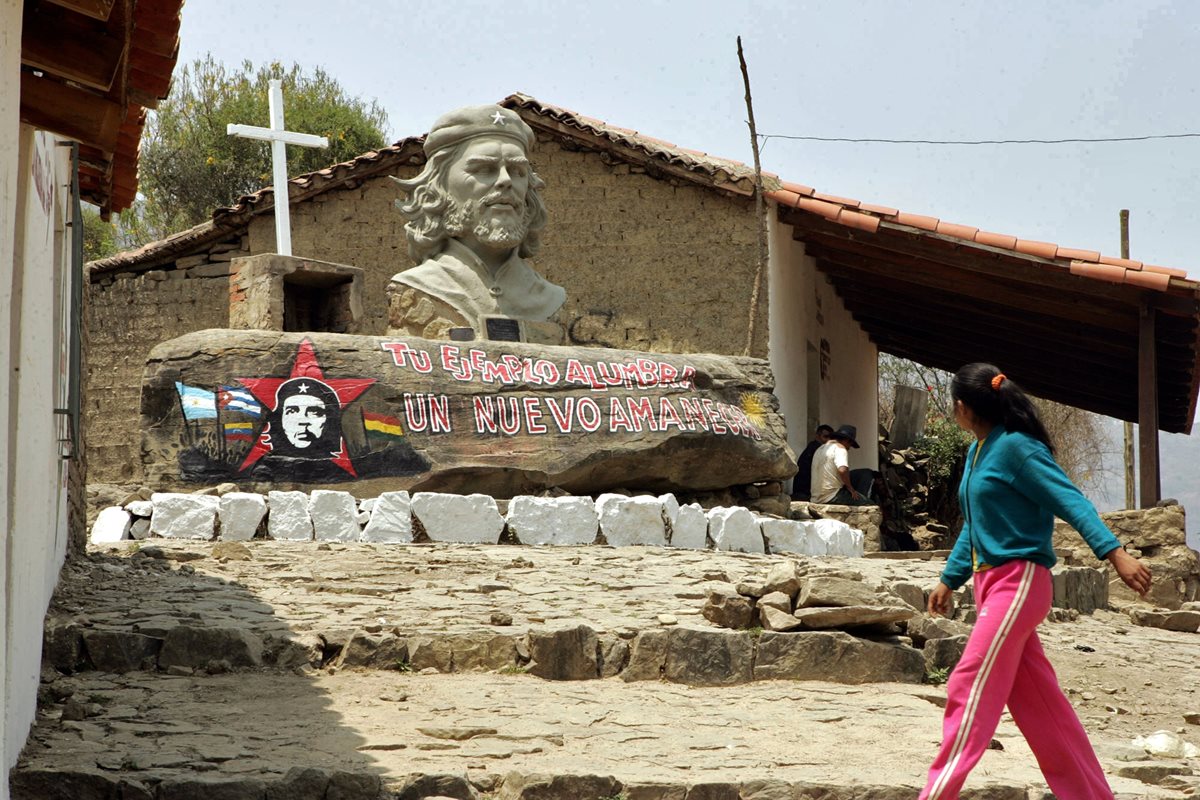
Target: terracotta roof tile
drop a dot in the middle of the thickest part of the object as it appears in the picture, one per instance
(1148, 280)
(1078, 255)
(917, 221)
(957, 231)
(1119, 262)
(1040, 249)
(841, 201)
(863, 222)
(1172, 272)
(824, 209)
(1001, 240)
(1102, 272)
(883, 211)
(799, 188)
(788, 198)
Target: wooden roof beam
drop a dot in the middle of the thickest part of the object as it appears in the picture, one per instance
(71, 46)
(70, 111)
(96, 9)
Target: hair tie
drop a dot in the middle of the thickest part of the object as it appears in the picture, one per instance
(996, 381)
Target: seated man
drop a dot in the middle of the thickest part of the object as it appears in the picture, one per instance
(831, 478)
(802, 483)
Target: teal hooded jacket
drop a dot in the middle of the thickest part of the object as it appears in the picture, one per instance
(1010, 495)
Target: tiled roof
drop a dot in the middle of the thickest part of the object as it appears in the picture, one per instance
(725, 173)
(1085, 263)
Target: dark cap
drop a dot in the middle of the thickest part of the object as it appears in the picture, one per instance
(848, 432)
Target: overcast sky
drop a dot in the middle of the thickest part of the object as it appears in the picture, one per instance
(900, 70)
(867, 69)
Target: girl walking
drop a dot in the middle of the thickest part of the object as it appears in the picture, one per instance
(1010, 492)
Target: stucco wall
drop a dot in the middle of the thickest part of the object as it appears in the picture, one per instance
(36, 528)
(648, 265)
(805, 311)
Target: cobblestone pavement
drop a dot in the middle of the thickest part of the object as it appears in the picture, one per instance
(1125, 681)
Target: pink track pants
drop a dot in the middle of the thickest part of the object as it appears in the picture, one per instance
(1004, 664)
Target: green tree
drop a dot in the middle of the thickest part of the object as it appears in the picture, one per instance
(99, 237)
(190, 166)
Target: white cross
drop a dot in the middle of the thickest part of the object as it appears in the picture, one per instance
(278, 137)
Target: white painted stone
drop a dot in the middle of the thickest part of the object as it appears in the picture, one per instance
(391, 519)
(140, 508)
(626, 521)
(183, 516)
(288, 518)
(670, 508)
(839, 538)
(690, 528)
(471, 519)
(334, 516)
(111, 525)
(553, 520)
(363, 518)
(735, 529)
(792, 536)
(241, 513)
(367, 505)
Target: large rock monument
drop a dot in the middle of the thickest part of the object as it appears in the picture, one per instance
(471, 389)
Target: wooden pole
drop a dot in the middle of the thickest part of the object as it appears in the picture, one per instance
(759, 207)
(1130, 491)
(1148, 407)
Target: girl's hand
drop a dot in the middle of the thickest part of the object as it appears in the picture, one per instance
(1133, 572)
(939, 600)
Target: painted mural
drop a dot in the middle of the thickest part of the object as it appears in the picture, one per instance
(290, 428)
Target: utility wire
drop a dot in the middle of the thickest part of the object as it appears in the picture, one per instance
(768, 136)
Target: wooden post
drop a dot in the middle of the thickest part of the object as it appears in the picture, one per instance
(1130, 483)
(909, 414)
(759, 206)
(1148, 407)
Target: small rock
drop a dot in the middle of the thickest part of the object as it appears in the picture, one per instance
(501, 619)
(231, 551)
(668, 619)
(728, 609)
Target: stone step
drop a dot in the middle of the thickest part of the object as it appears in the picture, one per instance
(557, 613)
(387, 735)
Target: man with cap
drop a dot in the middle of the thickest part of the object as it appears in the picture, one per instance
(474, 215)
(831, 477)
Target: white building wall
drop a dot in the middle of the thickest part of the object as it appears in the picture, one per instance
(34, 265)
(805, 312)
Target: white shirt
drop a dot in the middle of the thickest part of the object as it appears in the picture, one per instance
(825, 478)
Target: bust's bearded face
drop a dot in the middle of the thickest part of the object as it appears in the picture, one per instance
(487, 186)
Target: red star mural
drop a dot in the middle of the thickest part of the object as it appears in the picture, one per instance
(305, 366)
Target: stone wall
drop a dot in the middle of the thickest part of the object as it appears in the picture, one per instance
(126, 316)
(654, 265)
(1155, 535)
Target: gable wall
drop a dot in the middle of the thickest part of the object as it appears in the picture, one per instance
(648, 264)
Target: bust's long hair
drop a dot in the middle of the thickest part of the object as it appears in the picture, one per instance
(428, 203)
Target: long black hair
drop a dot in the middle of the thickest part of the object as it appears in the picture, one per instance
(998, 400)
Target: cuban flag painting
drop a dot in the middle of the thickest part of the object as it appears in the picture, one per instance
(197, 403)
(233, 398)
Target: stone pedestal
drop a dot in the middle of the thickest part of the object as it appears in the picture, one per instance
(270, 292)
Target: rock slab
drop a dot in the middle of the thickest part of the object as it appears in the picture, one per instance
(391, 518)
(241, 513)
(183, 516)
(553, 520)
(465, 519)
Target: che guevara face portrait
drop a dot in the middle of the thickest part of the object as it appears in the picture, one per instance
(306, 421)
(303, 420)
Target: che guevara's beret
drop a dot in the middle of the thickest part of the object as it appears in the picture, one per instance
(474, 121)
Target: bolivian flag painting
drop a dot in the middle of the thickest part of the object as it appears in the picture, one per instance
(382, 428)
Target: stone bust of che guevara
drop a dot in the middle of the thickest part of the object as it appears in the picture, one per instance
(474, 215)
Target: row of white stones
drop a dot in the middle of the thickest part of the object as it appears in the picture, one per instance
(334, 516)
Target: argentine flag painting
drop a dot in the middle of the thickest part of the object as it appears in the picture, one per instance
(197, 403)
